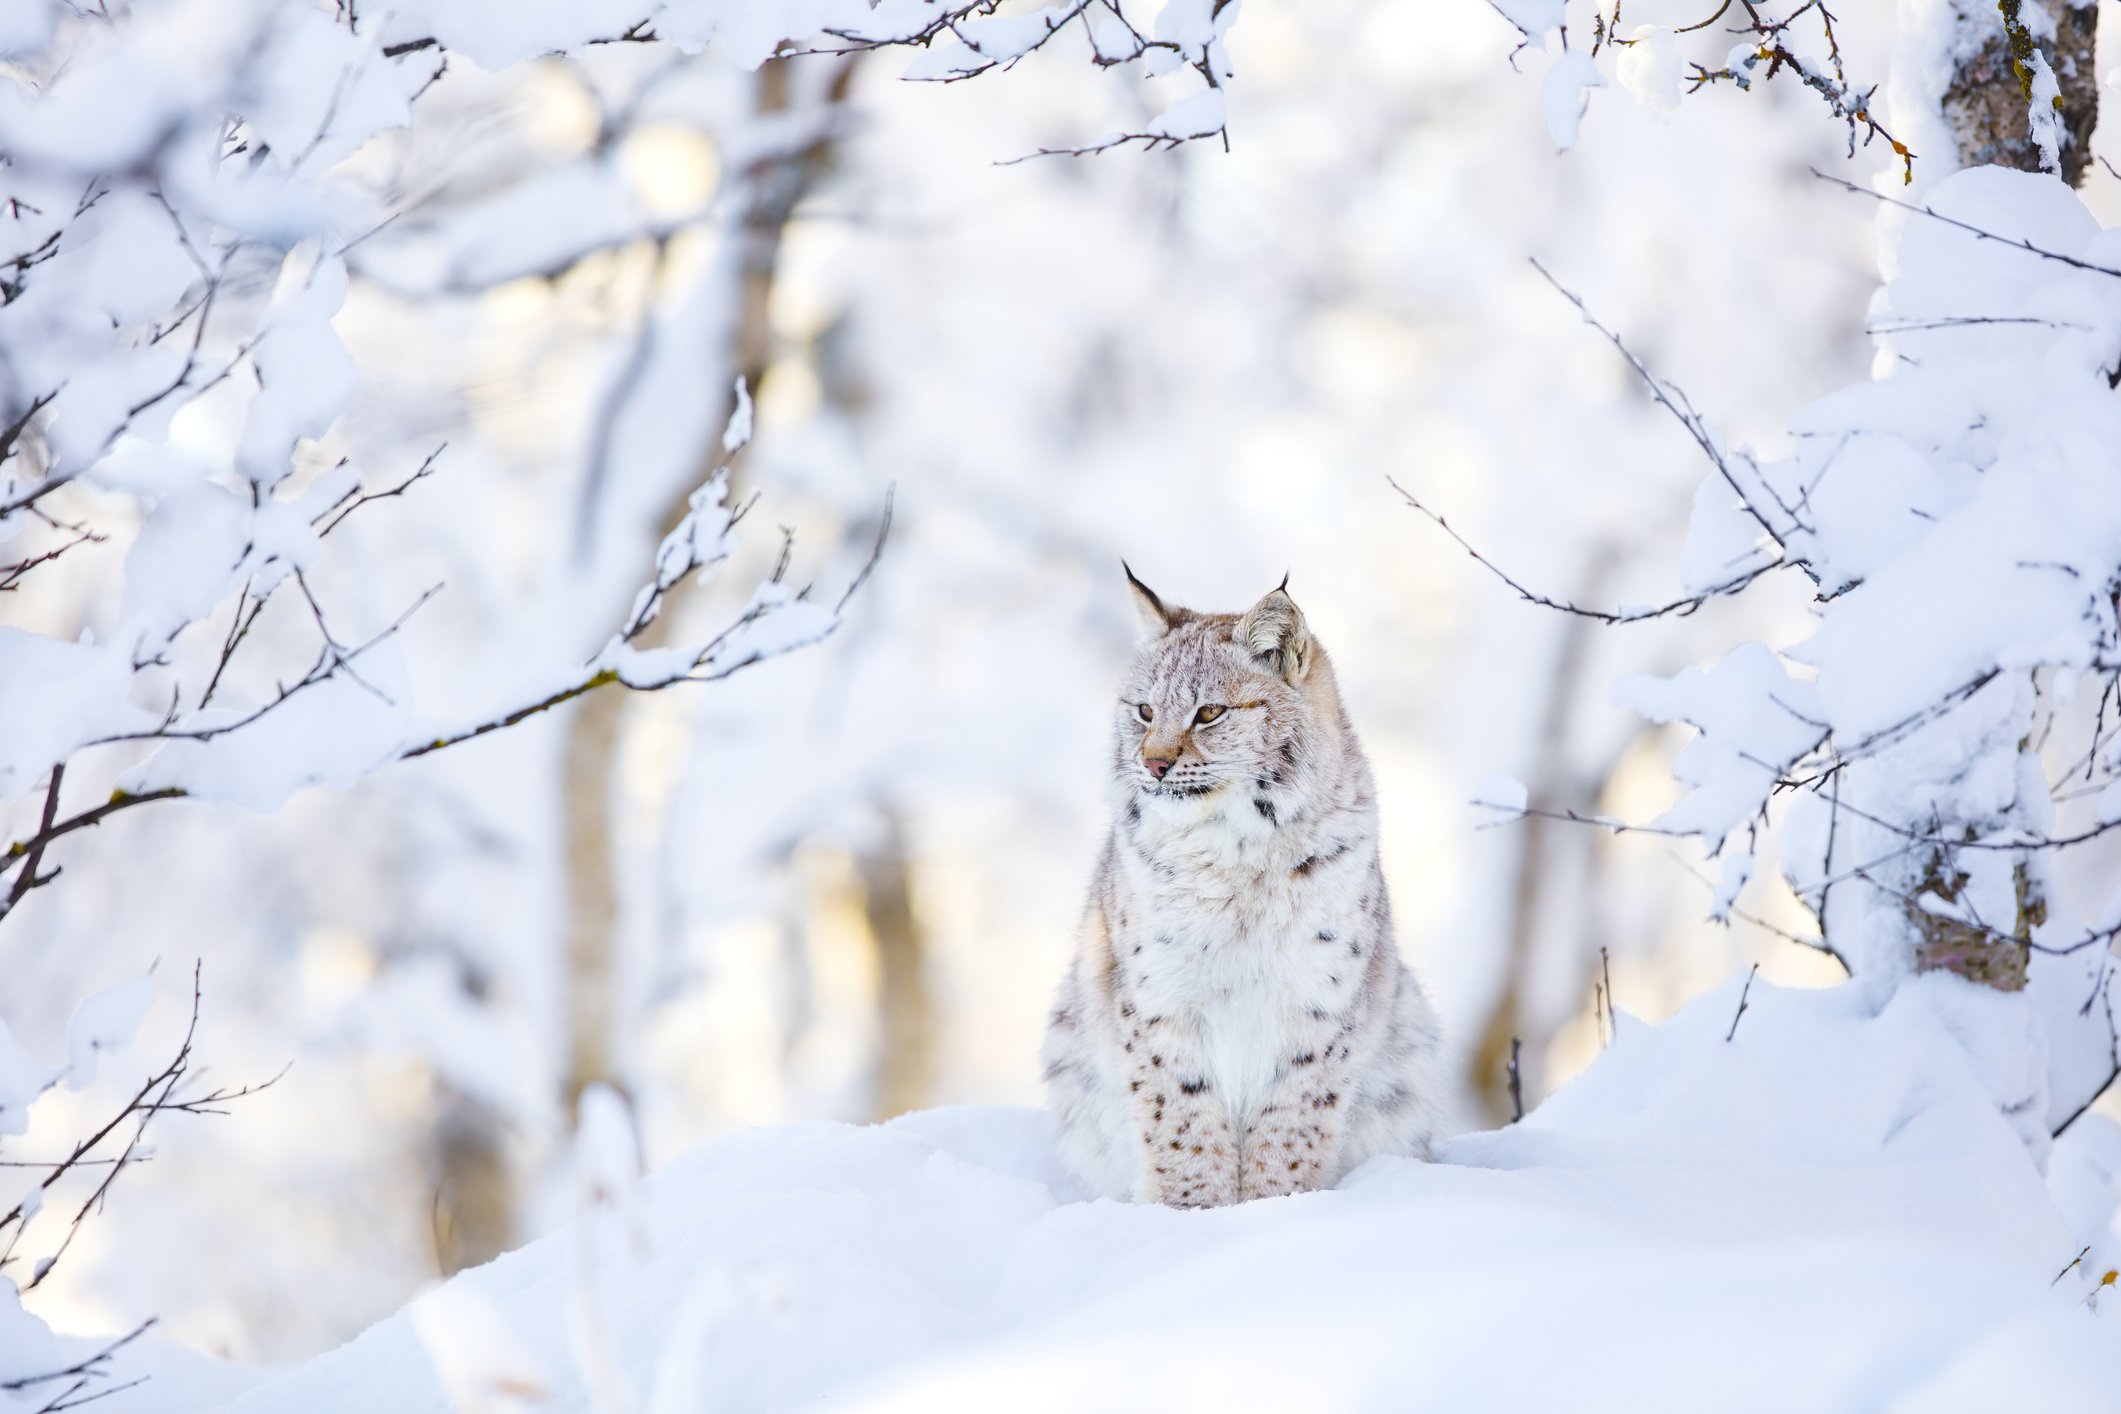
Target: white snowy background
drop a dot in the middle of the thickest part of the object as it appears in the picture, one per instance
(469, 251)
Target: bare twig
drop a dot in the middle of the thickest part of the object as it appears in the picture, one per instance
(1743, 994)
(1971, 229)
(1677, 607)
(1672, 400)
(354, 502)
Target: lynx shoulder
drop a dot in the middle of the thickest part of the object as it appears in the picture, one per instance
(1237, 1021)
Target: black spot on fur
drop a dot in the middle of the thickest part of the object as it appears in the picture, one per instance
(1265, 807)
(1325, 937)
(1324, 856)
(1303, 1058)
(1134, 812)
(1193, 1087)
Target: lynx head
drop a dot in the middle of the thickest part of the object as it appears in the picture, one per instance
(1214, 701)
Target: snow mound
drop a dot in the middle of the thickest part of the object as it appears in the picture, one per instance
(1821, 1213)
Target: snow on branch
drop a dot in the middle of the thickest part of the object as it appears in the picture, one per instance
(42, 1372)
(777, 621)
(177, 215)
(963, 41)
(1649, 64)
(333, 724)
(1927, 755)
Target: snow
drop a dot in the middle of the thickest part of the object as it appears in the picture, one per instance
(55, 696)
(1649, 68)
(2044, 114)
(1566, 93)
(1535, 18)
(1753, 720)
(305, 372)
(1196, 115)
(947, 1257)
(1505, 794)
(479, 1363)
(1830, 1194)
(22, 1080)
(984, 43)
(105, 1023)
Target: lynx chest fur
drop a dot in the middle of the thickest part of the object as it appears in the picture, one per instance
(1237, 1022)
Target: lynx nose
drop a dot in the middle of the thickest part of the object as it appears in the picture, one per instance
(1157, 765)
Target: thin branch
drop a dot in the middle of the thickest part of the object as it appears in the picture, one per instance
(84, 1366)
(119, 800)
(1679, 607)
(1675, 402)
(1743, 994)
(348, 507)
(1967, 226)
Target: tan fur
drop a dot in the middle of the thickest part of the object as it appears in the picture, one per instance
(1238, 1022)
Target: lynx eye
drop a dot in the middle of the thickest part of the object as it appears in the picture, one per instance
(1141, 710)
(1208, 714)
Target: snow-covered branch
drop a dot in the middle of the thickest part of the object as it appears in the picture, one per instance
(39, 1372)
(1934, 752)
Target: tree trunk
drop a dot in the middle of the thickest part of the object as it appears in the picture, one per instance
(475, 1197)
(1986, 102)
(1507, 1022)
(773, 188)
(905, 1016)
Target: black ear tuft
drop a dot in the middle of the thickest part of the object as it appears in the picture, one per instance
(1156, 620)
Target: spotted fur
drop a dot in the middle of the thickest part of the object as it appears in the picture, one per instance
(1237, 1022)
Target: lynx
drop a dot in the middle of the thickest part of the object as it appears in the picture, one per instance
(1237, 1022)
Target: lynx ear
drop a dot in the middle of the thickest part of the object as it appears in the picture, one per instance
(1273, 631)
(1155, 618)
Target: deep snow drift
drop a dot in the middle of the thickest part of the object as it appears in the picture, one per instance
(1823, 1213)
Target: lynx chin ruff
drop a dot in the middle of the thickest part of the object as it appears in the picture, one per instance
(1237, 1022)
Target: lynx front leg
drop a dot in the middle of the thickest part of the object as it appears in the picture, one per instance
(1292, 1144)
(1188, 1151)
